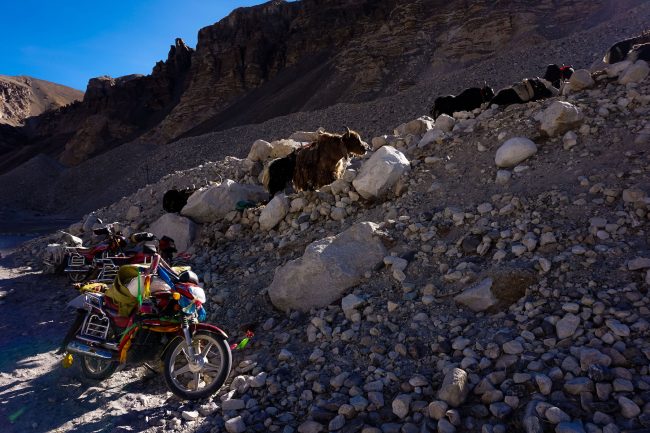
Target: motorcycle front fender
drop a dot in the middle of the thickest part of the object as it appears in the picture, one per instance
(193, 328)
(208, 327)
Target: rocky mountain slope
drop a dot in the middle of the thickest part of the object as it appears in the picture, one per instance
(92, 184)
(512, 294)
(23, 97)
(283, 58)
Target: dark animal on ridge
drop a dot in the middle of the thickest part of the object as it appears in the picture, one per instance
(313, 166)
(174, 200)
(620, 50)
(639, 52)
(467, 100)
(279, 173)
(530, 89)
(556, 74)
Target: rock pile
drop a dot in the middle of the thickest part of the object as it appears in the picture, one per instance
(496, 279)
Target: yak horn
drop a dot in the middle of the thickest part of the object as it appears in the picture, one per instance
(347, 130)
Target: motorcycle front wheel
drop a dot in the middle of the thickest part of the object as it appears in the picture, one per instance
(96, 368)
(193, 379)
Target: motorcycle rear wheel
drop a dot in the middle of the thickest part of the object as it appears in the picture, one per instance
(197, 380)
(77, 277)
(96, 368)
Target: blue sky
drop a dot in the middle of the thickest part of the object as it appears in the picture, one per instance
(70, 41)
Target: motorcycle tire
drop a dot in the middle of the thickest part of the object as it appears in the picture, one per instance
(96, 368)
(211, 372)
(77, 277)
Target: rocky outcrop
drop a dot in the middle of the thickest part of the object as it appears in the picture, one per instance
(284, 57)
(23, 97)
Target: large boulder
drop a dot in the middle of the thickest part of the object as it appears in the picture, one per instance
(274, 212)
(328, 268)
(380, 172)
(182, 230)
(282, 148)
(635, 73)
(444, 123)
(581, 79)
(560, 117)
(260, 151)
(306, 136)
(431, 136)
(514, 151)
(215, 201)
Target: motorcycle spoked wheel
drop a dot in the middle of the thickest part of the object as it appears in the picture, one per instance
(77, 277)
(96, 368)
(196, 380)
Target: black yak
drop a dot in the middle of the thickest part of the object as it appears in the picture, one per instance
(279, 173)
(621, 50)
(318, 164)
(530, 89)
(639, 52)
(556, 74)
(467, 100)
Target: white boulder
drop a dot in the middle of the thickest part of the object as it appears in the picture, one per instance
(380, 172)
(328, 268)
(418, 126)
(616, 69)
(182, 230)
(431, 136)
(560, 117)
(581, 79)
(215, 201)
(282, 148)
(479, 297)
(514, 151)
(444, 123)
(306, 136)
(635, 73)
(260, 151)
(274, 212)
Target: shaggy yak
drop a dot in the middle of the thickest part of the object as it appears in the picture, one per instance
(317, 164)
(555, 74)
(530, 89)
(636, 48)
(174, 200)
(467, 100)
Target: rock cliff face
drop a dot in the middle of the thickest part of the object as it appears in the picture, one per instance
(279, 58)
(22, 97)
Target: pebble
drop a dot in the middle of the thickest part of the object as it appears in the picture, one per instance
(401, 405)
(567, 326)
(235, 425)
(629, 409)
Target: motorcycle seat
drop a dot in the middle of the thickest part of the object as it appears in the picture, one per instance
(145, 247)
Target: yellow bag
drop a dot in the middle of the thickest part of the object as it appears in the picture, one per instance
(120, 294)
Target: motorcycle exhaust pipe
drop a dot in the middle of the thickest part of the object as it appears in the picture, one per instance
(74, 270)
(76, 346)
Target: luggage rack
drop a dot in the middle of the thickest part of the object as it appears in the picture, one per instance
(108, 272)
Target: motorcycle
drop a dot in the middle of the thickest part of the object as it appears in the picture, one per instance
(104, 259)
(166, 323)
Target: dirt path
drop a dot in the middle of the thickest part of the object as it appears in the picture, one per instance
(37, 394)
